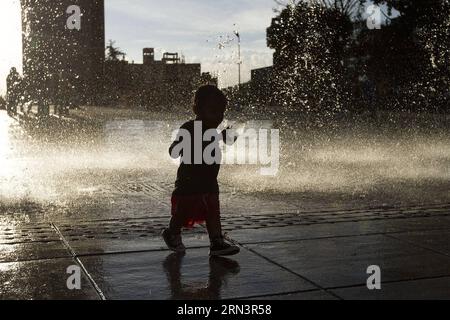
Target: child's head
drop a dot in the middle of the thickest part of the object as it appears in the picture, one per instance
(209, 105)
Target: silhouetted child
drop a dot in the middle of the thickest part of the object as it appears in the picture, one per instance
(196, 196)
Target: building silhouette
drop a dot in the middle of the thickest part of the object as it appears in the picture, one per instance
(64, 62)
(166, 82)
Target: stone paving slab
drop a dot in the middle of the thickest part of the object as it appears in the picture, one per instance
(108, 246)
(271, 234)
(438, 240)
(33, 251)
(127, 257)
(162, 275)
(341, 262)
(424, 289)
(43, 280)
(129, 235)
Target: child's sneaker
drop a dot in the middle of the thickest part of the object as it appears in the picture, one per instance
(220, 248)
(173, 242)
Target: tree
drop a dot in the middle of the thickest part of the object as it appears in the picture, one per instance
(310, 41)
(113, 53)
(326, 58)
(415, 52)
(348, 8)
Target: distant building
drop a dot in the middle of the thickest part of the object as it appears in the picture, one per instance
(64, 39)
(149, 55)
(64, 61)
(153, 83)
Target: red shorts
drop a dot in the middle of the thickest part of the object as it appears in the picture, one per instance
(195, 208)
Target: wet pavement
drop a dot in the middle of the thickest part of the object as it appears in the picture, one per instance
(98, 200)
(325, 260)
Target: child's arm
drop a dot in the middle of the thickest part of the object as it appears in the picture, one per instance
(177, 141)
(172, 146)
(185, 130)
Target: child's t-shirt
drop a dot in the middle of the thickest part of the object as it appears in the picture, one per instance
(196, 178)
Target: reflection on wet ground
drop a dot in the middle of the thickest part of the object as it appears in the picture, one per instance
(219, 270)
(98, 193)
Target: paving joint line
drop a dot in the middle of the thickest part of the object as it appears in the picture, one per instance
(74, 256)
(277, 294)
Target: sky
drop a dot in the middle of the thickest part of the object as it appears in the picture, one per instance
(201, 30)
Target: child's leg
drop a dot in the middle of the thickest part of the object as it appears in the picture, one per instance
(214, 226)
(176, 223)
(219, 247)
(178, 216)
(213, 223)
(172, 235)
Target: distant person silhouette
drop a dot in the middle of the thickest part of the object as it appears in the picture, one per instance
(196, 196)
(220, 269)
(12, 86)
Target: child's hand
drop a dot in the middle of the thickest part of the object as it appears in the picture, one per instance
(224, 132)
(226, 137)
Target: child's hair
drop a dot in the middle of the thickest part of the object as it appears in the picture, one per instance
(209, 93)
